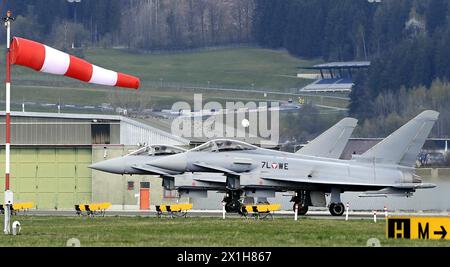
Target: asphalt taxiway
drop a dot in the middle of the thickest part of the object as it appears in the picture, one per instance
(218, 214)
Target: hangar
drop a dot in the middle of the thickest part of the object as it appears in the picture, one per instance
(51, 152)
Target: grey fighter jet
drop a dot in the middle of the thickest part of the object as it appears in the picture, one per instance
(136, 162)
(385, 169)
(328, 145)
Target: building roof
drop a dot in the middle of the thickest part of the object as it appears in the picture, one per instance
(330, 85)
(340, 65)
(95, 118)
(64, 115)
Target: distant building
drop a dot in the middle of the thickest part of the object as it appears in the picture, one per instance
(334, 76)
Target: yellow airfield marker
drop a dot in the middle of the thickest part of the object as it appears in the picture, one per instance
(427, 228)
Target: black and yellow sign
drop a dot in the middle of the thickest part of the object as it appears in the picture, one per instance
(418, 227)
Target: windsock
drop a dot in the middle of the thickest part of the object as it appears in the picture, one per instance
(49, 60)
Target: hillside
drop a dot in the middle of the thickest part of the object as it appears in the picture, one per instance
(225, 68)
(234, 67)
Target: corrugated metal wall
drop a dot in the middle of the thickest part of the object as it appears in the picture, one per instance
(69, 131)
(37, 131)
(49, 177)
(115, 133)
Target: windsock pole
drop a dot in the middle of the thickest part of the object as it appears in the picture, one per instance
(8, 200)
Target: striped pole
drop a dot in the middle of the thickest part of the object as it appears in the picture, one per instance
(8, 19)
(346, 211)
(296, 212)
(8, 105)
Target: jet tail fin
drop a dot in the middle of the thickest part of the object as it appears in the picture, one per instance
(403, 146)
(331, 143)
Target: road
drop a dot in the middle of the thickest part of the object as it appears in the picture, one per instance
(267, 92)
(179, 86)
(330, 107)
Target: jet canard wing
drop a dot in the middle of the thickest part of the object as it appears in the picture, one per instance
(331, 143)
(153, 170)
(216, 168)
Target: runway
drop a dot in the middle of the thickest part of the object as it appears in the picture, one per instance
(353, 215)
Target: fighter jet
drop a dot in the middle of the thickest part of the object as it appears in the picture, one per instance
(328, 145)
(136, 161)
(385, 169)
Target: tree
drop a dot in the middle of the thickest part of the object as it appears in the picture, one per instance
(66, 35)
(436, 15)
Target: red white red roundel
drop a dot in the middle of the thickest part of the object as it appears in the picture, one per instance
(49, 60)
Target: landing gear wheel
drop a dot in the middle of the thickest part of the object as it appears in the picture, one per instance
(302, 209)
(232, 201)
(233, 206)
(337, 209)
(227, 209)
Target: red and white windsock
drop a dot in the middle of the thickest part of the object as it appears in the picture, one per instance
(49, 60)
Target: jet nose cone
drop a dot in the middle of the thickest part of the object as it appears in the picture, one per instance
(175, 163)
(111, 166)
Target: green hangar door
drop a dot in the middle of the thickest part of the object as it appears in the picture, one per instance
(51, 178)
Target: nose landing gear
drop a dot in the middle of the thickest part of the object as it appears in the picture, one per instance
(302, 209)
(303, 200)
(232, 201)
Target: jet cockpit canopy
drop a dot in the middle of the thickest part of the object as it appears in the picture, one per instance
(223, 145)
(157, 150)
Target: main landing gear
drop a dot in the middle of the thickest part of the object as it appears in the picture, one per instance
(336, 207)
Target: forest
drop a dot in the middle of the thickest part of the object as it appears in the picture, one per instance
(408, 41)
(135, 24)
